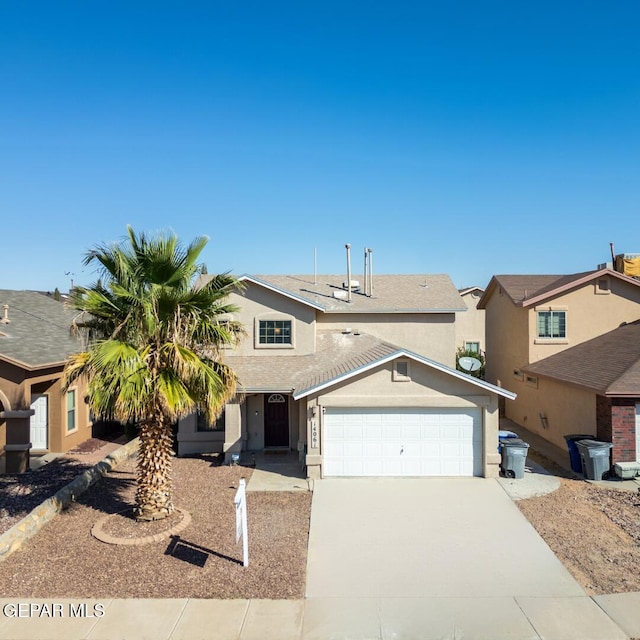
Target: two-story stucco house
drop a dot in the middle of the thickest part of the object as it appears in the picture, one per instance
(470, 325)
(359, 378)
(36, 414)
(562, 343)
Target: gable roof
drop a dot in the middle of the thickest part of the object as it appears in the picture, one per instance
(391, 293)
(338, 357)
(39, 330)
(528, 290)
(608, 364)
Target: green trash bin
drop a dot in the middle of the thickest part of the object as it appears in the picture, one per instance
(595, 458)
(514, 457)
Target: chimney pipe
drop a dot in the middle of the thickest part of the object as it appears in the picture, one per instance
(348, 248)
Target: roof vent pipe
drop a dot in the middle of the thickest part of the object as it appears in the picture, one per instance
(348, 248)
(370, 252)
(366, 274)
(5, 319)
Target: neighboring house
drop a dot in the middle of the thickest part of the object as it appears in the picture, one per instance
(35, 414)
(359, 380)
(470, 325)
(604, 375)
(534, 326)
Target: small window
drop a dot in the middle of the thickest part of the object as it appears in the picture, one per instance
(401, 371)
(71, 410)
(275, 332)
(532, 381)
(552, 324)
(517, 374)
(472, 346)
(205, 425)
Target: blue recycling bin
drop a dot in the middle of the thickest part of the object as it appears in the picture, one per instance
(574, 453)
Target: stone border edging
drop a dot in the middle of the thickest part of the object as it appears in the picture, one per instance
(98, 533)
(12, 539)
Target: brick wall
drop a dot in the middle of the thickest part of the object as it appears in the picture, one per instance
(623, 426)
(616, 422)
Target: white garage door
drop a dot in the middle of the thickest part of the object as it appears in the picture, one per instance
(402, 442)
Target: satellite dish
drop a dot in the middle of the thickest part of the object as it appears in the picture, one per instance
(469, 364)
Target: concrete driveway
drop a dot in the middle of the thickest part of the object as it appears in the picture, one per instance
(435, 537)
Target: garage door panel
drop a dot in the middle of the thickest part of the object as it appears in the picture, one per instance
(409, 442)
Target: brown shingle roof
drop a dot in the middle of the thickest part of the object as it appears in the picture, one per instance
(337, 355)
(608, 364)
(525, 290)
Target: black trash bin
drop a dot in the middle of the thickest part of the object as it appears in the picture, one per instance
(514, 456)
(595, 458)
(574, 454)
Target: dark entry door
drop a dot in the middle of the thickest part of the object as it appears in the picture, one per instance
(276, 420)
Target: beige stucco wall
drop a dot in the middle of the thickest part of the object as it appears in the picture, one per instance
(430, 335)
(258, 303)
(427, 388)
(512, 343)
(589, 314)
(567, 409)
(470, 324)
(507, 339)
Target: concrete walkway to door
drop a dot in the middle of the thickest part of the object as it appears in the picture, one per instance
(436, 558)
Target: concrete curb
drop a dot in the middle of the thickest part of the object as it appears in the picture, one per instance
(13, 539)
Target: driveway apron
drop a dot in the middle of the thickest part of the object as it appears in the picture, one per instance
(428, 537)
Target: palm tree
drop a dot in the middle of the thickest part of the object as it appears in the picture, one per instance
(153, 355)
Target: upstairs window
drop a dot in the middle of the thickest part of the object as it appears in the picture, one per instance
(552, 324)
(472, 346)
(274, 332)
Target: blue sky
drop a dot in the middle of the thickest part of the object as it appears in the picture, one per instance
(469, 138)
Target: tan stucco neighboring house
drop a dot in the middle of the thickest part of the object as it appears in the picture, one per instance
(603, 376)
(36, 415)
(359, 380)
(531, 320)
(470, 325)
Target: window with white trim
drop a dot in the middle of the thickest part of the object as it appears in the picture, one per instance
(552, 324)
(71, 410)
(274, 332)
(472, 346)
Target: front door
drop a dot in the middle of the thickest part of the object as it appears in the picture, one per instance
(39, 422)
(276, 420)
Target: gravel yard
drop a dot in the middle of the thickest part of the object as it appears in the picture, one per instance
(594, 531)
(203, 561)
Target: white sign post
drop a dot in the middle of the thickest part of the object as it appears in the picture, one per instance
(240, 502)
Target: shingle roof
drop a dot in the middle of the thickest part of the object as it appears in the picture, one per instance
(337, 355)
(608, 364)
(434, 293)
(525, 290)
(38, 332)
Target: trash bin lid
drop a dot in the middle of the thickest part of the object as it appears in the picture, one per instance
(506, 434)
(597, 444)
(515, 442)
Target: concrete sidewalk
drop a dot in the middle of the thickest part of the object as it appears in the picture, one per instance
(442, 618)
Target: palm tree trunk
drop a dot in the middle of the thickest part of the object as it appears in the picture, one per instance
(154, 495)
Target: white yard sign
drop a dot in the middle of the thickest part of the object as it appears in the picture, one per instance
(240, 502)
